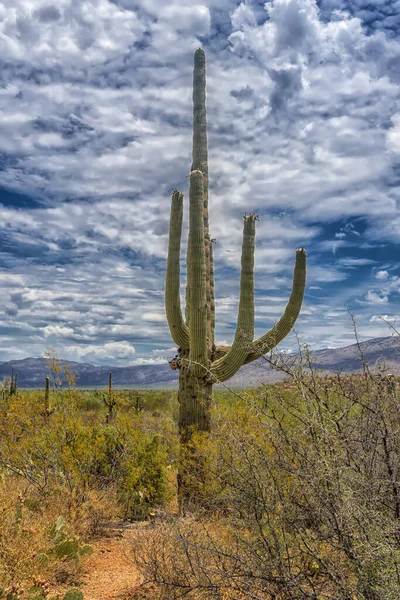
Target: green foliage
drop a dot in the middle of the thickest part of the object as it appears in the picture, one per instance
(78, 451)
(143, 486)
(74, 594)
(39, 592)
(63, 546)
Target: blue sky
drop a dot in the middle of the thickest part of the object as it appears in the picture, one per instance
(95, 132)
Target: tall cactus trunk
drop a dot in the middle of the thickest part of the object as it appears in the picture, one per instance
(194, 398)
(200, 362)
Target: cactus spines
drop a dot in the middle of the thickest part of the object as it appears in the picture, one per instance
(200, 362)
(109, 400)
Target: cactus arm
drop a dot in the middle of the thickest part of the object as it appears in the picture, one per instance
(212, 292)
(221, 351)
(197, 282)
(179, 330)
(269, 340)
(225, 367)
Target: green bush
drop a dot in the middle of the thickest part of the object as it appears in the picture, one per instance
(143, 484)
(77, 451)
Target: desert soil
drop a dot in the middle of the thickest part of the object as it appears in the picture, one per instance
(109, 573)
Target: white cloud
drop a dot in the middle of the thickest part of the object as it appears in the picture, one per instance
(383, 318)
(57, 331)
(154, 317)
(375, 298)
(71, 33)
(109, 353)
(195, 19)
(382, 275)
(355, 262)
(157, 360)
(393, 135)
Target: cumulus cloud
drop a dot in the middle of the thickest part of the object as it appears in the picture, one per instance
(57, 331)
(109, 353)
(376, 298)
(387, 318)
(157, 360)
(382, 275)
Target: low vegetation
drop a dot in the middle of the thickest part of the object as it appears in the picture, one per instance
(65, 469)
(299, 495)
(302, 498)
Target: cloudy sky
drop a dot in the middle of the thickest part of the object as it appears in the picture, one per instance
(95, 132)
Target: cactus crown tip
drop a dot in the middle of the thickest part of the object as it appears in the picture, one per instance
(251, 217)
(200, 57)
(301, 252)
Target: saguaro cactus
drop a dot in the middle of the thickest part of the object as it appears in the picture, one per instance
(47, 396)
(200, 362)
(47, 410)
(13, 383)
(109, 400)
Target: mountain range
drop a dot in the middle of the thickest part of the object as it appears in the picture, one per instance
(32, 371)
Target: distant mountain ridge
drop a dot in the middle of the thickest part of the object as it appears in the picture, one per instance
(32, 371)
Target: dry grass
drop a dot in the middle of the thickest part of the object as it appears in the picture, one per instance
(26, 518)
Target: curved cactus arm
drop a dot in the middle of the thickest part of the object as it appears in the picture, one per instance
(279, 331)
(220, 351)
(225, 367)
(198, 354)
(212, 291)
(179, 330)
(270, 339)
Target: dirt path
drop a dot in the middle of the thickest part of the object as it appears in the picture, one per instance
(109, 573)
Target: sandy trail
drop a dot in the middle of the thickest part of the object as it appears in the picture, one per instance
(109, 573)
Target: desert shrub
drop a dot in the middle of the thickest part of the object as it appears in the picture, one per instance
(34, 540)
(143, 484)
(78, 452)
(70, 462)
(302, 499)
(156, 402)
(91, 401)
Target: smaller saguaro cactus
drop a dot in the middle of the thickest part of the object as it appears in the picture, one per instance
(137, 407)
(47, 394)
(391, 384)
(6, 389)
(13, 383)
(109, 400)
(47, 410)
